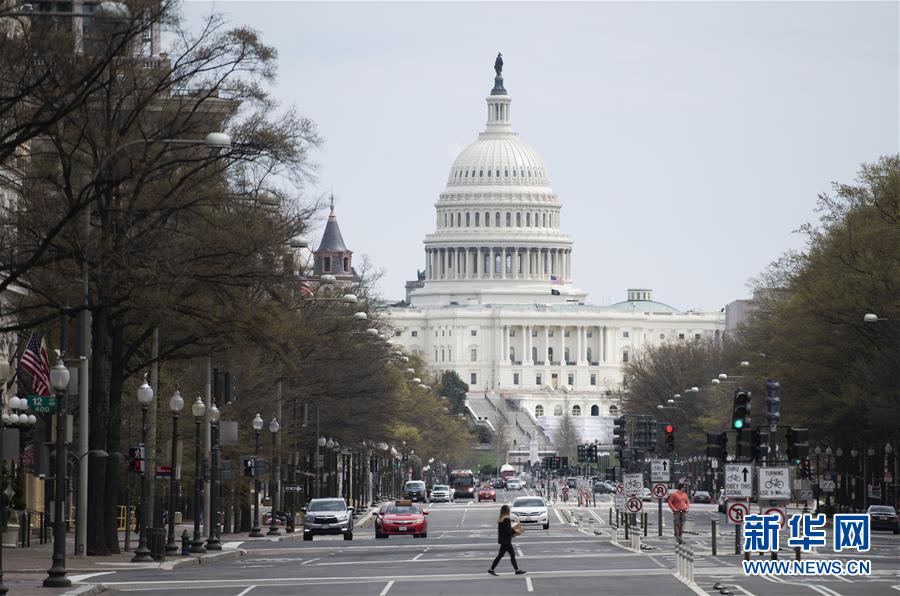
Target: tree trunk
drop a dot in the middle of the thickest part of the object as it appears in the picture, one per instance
(99, 423)
(114, 436)
(114, 468)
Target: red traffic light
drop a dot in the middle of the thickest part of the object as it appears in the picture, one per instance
(670, 428)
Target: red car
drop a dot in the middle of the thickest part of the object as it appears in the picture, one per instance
(403, 517)
(487, 493)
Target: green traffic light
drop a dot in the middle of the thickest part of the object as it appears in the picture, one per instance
(739, 424)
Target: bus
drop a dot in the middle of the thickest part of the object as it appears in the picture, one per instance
(462, 483)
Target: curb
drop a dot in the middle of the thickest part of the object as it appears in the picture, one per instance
(207, 559)
(85, 590)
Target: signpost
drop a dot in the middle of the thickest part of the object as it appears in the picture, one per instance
(41, 404)
(634, 484)
(634, 504)
(775, 484)
(804, 490)
(780, 511)
(620, 489)
(660, 470)
(737, 511)
(620, 502)
(292, 488)
(739, 480)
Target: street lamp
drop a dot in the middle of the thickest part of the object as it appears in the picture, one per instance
(872, 318)
(145, 398)
(274, 427)
(257, 429)
(56, 575)
(4, 374)
(198, 409)
(176, 404)
(213, 542)
(319, 444)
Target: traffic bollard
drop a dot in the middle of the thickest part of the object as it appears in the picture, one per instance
(690, 566)
(678, 567)
(646, 524)
(626, 527)
(797, 552)
(659, 519)
(737, 539)
(610, 518)
(713, 534)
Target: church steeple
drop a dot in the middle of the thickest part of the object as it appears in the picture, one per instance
(333, 257)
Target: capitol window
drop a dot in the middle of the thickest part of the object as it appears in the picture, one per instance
(571, 380)
(497, 219)
(590, 358)
(589, 333)
(487, 219)
(514, 173)
(468, 223)
(538, 411)
(498, 173)
(613, 411)
(681, 336)
(528, 220)
(326, 264)
(625, 356)
(508, 219)
(595, 410)
(557, 410)
(534, 333)
(414, 333)
(518, 219)
(512, 332)
(473, 379)
(537, 379)
(458, 219)
(473, 332)
(545, 220)
(397, 333)
(576, 410)
(515, 378)
(506, 173)
(696, 336)
(477, 216)
(662, 336)
(593, 382)
(481, 173)
(473, 355)
(625, 334)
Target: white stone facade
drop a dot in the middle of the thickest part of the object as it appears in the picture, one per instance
(498, 305)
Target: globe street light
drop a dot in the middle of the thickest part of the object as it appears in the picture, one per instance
(198, 410)
(56, 575)
(213, 542)
(176, 405)
(274, 427)
(145, 398)
(257, 429)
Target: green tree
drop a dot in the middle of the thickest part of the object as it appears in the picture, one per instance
(455, 390)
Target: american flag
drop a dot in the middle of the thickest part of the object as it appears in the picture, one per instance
(36, 363)
(556, 281)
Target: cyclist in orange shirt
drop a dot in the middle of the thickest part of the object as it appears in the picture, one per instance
(679, 503)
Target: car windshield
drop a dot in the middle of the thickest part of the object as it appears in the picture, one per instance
(415, 485)
(441, 487)
(330, 505)
(880, 509)
(404, 509)
(529, 502)
(701, 493)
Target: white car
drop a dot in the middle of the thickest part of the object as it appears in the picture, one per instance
(530, 510)
(441, 492)
(514, 484)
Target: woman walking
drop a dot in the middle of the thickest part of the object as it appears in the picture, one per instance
(504, 537)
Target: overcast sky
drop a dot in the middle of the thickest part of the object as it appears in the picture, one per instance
(685, 141)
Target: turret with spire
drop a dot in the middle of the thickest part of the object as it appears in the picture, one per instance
(333, 257)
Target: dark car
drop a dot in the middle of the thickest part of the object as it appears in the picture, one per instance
(702, 496)
(415, 490)
(497, 483)
(572, 482)
(884, 517)
(601, 488)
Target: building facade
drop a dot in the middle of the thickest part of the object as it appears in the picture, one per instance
(498, 305)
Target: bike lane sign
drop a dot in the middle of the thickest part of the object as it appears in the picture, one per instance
(634, 484)
(739, 480)
(775, 484)
(620, 502)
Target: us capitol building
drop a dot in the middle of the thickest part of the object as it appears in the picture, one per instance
(497, 303)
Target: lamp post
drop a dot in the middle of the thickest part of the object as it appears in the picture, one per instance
(198, 410)
(176, 404)
(818, 452)
(828, 474)
(257, 428)
(319, 444)
(145, 398)
(840, 486)
(56, 575)
(853, 464)
(889, 465)
(213, 542)
(4, 374)
(274, 427)
(870, 461)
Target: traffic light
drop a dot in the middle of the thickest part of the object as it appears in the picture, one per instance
(670, 438)
(743, 444)
(798, 444)
(592, 454)
(653, 436)
(740, 412)
(564, 462)
(582, 454)
(619, 432)
(773, 401)
(611, 474)
(806, 468)
(759, 445)
(717, 445)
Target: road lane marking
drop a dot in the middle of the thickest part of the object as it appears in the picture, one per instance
(528, 585)
(310, 561)
(386, 588)
(236, 544)
(79, 578)
(744, 590)
(246, 590)
(416, 558)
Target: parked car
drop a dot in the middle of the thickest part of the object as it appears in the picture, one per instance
(530, 510)
(884, 517)
(497, 483)
(646, 495)
(514, 484)
(328, 516)
(702, 496)
(572, 482)
(487, 493)
(441, 492)
(403, 518)
(414, 490)
(601, 488)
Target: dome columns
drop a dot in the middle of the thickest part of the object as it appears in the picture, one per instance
(465, 263)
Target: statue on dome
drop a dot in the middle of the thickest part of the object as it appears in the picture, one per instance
(498, 64)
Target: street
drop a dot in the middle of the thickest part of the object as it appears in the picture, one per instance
(567, 558)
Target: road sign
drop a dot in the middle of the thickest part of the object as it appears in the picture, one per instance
(874, 491)
(292, 488)
(41, 404)
(163, 472)
(737, 511)
(634, 505)
(828, 486)
(620, 489)
(739, 480)
(620, 502)
(634, 484)
(660, 470)
(775, 484)
(804, 490)
(780, 511)
(659, 491)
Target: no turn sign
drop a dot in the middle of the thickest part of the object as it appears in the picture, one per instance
(634, 504)
(782, 514)
(620, 489)
(659, 491)
(737, 511)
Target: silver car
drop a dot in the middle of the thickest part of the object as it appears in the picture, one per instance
(441, 492)
(328, 516)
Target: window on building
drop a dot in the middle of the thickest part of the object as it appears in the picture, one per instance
(346, 264)
(473, 379)
(571, 380)
(557, 410)
(414, 333)
(576, 410)
(662, 336)
(487, 219)
(443, 331)
(508, 219)
(567, 355)
(326, 264)
(473, 332)
(545, 220)
(566, 333)
(595, 410)
(435, 355)
(518, 219)
(528, 220)
(613, 411)
(473, 355)
(515, 378)
(550, 333)
(534, 357)
(538, 380)
(594, 379)
(681, 336)
(550, 354)
(626, 334)
(477, 216)
(397, 333)
(538, 411)
(442, 355)
(625, 356)
(481, 173)
(512, 332)
(590, 354)
(696, 336)
(589, 333)
(497, 219)
(458, 219)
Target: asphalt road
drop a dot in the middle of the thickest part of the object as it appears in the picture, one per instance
(566, 559)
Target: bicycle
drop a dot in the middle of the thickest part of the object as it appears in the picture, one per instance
(774, 483)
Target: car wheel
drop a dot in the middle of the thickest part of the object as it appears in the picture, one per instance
(547, 526)
(307, 536)
(348, 536)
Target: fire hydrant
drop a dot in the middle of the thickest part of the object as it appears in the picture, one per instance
(185, 543)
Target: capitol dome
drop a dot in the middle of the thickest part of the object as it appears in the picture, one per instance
(498, 159)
